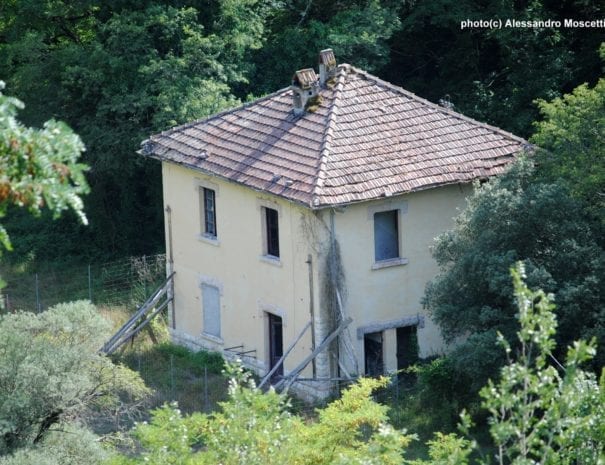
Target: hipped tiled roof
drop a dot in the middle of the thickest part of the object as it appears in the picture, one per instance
(365, 139)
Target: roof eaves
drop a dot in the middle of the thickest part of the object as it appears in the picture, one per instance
(199, 169)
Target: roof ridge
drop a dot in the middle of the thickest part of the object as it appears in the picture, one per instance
(438, 107)
(327, 136)
(227, 111)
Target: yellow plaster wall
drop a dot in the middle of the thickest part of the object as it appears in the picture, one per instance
(391, 293)
(250, 284)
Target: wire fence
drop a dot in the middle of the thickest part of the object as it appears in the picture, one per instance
(195, 390)
(123, 282)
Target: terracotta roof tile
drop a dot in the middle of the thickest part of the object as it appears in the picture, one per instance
(366, 138)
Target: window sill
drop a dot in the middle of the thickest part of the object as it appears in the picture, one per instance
(271, 260)
(211, 338)
(212, 240)
(389, 263)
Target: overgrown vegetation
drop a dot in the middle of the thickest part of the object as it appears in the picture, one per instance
(546, 211)
(53, 380)
(176, 374)
(540, 412)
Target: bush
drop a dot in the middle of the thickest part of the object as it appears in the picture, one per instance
(51, 373)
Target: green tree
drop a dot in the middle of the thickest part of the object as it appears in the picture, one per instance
(542, 412)
(494, 74)
(358, 31)
(117, 72)
(52, 375)
(513, 218)
(39, 168)
(571, 137)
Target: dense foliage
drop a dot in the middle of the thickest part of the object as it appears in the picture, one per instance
(571, 137)
(117, 71)
(256, 428)
(52, 377)
(38, 167)
(495, 74)
(508, 219)
(542, 412)
(547, 212)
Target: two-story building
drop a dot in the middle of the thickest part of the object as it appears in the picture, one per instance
(319, 203)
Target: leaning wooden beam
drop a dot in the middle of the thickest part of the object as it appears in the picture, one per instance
(341, 366)
(283, 357)
(148, 304)
(291, 377)
(134, 331)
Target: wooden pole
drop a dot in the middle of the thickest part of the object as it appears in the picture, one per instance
(283, 357)
(294, 373)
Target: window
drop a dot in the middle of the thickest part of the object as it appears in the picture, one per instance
(386, 235)
(211, 310)
(208, 203)
(271, 232)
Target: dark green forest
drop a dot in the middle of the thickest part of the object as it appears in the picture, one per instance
(119, 70)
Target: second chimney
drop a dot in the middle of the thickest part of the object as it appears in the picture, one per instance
(327, 66)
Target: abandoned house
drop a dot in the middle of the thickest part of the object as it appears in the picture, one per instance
(299, 226)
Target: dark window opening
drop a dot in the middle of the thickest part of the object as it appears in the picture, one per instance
(386, 235)
(372, 345)
(271, 224)
(276, 344)
(407, 351)
(209, 212)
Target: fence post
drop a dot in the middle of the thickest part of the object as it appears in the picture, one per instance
(172, 376)
(89, 284)
(37, 295)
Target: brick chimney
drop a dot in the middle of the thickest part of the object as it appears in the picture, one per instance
(327, 66)
(304, 87)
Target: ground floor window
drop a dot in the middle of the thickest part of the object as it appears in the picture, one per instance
(211, 310)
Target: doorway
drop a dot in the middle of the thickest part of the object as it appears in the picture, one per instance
(276, 344)
(372, 346)
(407, 351)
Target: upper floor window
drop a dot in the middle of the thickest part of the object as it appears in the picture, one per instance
(386, 235)
(208, 202)
(271, 238)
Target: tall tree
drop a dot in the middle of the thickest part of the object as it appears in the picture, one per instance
(39, 168)
(571, 138)
(358, 32)
(118, 72)
(512, 218)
